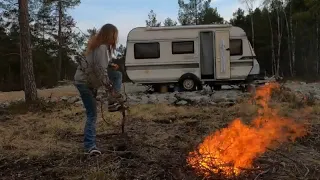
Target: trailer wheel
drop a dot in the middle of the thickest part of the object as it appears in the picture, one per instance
(189, 82)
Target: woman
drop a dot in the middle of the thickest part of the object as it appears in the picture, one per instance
(90, 75)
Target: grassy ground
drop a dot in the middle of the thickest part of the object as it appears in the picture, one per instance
(57, 92)
(44, 93)
(45, 142)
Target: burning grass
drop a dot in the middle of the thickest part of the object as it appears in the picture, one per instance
(48, 144)
(232, 150)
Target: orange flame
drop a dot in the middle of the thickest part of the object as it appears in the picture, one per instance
(234, 148)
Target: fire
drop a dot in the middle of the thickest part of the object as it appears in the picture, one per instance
(233, 149)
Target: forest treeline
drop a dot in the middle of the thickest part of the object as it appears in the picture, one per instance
(284, 34)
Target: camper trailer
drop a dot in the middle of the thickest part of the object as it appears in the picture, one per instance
(190, 56)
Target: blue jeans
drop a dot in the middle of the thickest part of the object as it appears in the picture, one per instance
(116, 79)
(88, 97)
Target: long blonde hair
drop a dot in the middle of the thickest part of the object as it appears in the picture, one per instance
(108, 35)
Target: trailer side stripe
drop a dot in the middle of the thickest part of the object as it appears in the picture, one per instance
(163, 66)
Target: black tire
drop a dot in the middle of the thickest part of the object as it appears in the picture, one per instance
(189, 82)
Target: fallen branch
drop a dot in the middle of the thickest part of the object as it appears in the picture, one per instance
(124, 118)
(102, 114)
(255, 169)
(306, 174)
(114, 151)
(123, 111)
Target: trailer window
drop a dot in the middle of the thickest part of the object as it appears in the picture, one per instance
(183, 47)
(236, 47)
(147, 50)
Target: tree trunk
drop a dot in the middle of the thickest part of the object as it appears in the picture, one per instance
(21, 71)
(317, 42)
(252, 28)
(279, 43)
(30, 88)
(293, 49)
(196, 11)
(272, 47)
(59, 41)
(305, 60)
(43, 33)
(288, 42)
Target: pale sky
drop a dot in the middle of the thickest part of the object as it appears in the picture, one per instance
(128, 14)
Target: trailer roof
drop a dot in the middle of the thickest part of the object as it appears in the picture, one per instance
(179, 32)
(206, 26)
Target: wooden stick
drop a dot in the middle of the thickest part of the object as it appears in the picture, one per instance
(123, 121)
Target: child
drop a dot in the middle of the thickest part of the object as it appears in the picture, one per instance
(92, 74)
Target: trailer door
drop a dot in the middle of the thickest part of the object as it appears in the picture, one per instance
(207, 54)
(222, 54)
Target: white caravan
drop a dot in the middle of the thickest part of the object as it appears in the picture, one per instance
(190, 56)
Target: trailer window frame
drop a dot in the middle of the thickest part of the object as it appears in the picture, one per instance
(238, 53)
(176, 43)
(156, 54)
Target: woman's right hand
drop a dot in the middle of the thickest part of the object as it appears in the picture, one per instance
(114, 66)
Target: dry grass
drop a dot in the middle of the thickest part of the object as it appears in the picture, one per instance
(44, 93)
(47, 144)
